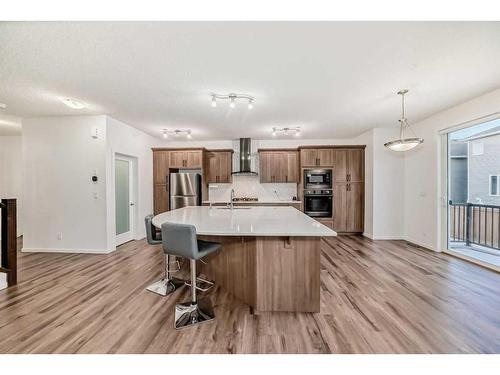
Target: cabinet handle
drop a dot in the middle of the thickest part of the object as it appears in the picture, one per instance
(286, 178)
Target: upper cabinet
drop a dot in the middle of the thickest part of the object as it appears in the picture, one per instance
(186, 159)
(316, 157)
(279, 166)
(219, 166)
(160, 166)
(349, 165)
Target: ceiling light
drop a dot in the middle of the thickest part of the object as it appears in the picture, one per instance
(232, 99)
(177, 133)
(73, 103)
(3, 105)
(287, 130)
(403, 144)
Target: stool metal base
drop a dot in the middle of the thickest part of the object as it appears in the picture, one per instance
(188, 314)
(165, 287)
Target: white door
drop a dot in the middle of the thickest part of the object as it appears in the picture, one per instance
(124, 204)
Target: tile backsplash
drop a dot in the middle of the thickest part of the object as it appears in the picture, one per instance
(250, 186)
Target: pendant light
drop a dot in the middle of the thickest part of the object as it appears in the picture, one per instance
(403, 144)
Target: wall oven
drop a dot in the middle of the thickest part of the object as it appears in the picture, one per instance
(318, 203)
(317, 179)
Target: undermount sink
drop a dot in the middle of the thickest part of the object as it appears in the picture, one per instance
(234, 208)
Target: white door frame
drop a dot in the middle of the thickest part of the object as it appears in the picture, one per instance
(443, 174)
(130, 235)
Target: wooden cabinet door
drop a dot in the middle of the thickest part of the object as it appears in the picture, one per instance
(212, 167)
(326, 222)
(225, 166)
(340, 165)
(177, 159)
(309, 157)
(279, 166)
(193, 159)
(292, 167)
(160, 198)
(355, 165)
(160, 166)
(266, 166)
(339, 207)
(355, 207)
(325, 157)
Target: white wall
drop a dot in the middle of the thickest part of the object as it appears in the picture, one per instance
(59, 158)
(422, 169)
(126, 140)
(11, 175)
(388, 187)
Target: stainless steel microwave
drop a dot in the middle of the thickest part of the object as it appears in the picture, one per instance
(317, 179)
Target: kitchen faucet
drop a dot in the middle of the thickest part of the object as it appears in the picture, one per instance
(231, 203)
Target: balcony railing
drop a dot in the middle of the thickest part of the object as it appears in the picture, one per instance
(475, 224)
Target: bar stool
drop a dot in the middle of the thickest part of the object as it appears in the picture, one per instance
(181, 240)
(168, 284)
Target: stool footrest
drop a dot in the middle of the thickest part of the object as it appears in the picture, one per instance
(205, 284)
(174, 266)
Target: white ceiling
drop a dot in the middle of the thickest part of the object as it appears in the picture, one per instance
(334, 79)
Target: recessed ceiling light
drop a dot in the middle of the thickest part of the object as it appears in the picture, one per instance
(3, 105)
(73, 103)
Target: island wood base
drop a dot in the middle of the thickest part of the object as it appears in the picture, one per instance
(268, 273)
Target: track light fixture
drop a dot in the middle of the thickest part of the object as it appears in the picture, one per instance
(177, 132)
(232, 99)
(287, 131)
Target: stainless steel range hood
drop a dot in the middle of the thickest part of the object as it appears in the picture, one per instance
(245, 157)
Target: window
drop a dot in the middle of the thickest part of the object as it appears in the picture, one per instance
(494, 184)
(477, 148)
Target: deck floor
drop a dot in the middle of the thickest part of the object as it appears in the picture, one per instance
(376, 297)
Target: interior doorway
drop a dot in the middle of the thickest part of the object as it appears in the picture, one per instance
(125, 202)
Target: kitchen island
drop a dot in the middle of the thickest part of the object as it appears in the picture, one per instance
(270, 256)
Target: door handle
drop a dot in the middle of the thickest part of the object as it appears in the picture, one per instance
(132, 203)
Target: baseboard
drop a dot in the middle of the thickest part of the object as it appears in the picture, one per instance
(387, 238)
(417, 243)
(68, 251)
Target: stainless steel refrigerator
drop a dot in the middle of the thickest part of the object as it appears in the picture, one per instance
(185, 190)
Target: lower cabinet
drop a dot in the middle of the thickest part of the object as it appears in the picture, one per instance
(160, 198)
(326, 222)
(348, 207)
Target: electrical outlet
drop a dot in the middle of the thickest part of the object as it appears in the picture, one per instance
(59, 236)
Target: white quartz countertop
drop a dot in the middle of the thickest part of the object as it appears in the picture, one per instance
(255, 202)
(251, 221)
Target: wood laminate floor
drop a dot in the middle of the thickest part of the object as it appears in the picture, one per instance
(376, 297)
